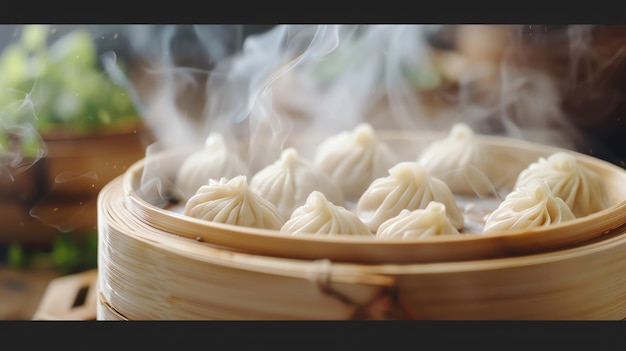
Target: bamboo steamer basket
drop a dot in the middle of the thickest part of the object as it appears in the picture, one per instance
(155, 263)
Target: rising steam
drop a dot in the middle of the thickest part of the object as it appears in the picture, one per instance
(188, 81)
(329, 78)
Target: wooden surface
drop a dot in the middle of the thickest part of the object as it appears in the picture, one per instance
(59, 191)
(71, 297)
(22, 290)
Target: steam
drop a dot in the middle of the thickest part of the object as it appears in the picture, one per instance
(188, 81)
(324, 79)
(585, 67)
(329, 78)
(23, 145)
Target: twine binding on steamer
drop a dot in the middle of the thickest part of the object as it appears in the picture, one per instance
(386, 304)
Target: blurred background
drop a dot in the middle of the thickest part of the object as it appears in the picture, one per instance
(79, 104)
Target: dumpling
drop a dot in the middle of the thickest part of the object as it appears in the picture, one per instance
(528, 206)
(233, 202)
(288, 182)
(581, 188)
(430, 221)
(460, 162)
(318, 216)
(214, 161)
(408, 186)
(354, 159)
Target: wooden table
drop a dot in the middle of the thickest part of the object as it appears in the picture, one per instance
(22, 290)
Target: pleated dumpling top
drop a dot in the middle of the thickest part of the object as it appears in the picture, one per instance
(318, 217)
(354, 159)
(233, 202)
(408, 186)
(288, 182)
(214, 161)
(529, 206)
(581, 188)
(460, 162)
(421, 223)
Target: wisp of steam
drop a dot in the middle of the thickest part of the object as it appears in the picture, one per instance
(326, 79)
(188, 81)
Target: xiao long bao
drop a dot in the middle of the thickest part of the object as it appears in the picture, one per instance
(459, 160)
(408, 186)
(233, 202)
(414, 199)
(214, 161)
(581, 188)
(353, 159)
(529, 206)
(288, 182)
(421, 223)
(318, 217)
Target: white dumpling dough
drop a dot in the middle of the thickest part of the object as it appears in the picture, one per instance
(233, 202)
(421, 223)
(354, 159)
(581, 188)
(214, 161)
(529, 206)
(408, 186)
(460, 161)
(318, 217)
(288, 182)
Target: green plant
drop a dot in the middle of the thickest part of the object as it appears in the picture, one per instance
(68, 254)
(57, 86)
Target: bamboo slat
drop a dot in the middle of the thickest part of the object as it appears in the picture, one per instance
(146, 273)
(143, 197)
(155, 263)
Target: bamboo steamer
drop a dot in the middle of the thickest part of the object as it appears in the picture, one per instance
(517, 155)
(155, 263)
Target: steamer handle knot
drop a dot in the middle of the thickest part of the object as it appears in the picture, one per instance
(386, 304)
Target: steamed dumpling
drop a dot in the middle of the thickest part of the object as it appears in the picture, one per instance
(528, 206)
(288, 182)
(318, 216)
(581, 188)
(233, 202)
(460, 162)
(408, 186)
(354, 159)
(430, 221)
(214, 161)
